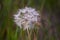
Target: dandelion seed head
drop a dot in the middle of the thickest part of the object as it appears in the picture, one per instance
(25, 17)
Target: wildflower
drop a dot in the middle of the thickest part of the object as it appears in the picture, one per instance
(26, 17)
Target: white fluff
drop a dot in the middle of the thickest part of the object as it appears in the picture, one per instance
(25, 18)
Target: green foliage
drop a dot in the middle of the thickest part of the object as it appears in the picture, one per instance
(8, 29)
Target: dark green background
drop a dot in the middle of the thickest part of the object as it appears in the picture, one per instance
(50, 10)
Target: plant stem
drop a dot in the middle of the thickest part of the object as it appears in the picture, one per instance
(28, 34)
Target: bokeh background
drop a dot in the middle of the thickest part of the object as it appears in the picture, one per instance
(50, 19)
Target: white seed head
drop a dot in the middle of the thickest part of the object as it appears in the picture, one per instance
(25, 17)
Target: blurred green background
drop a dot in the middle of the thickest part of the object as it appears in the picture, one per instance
(50, 19)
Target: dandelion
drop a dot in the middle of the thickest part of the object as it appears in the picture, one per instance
(26, 18)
